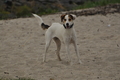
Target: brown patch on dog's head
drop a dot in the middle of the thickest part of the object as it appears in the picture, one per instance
(62, 17)
(71, 16)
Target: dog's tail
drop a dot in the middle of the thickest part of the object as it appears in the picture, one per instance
(41, 23)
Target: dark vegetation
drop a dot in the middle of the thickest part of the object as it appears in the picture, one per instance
(10, 9)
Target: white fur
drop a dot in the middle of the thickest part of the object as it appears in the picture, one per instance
(38, 18)
(59, 34)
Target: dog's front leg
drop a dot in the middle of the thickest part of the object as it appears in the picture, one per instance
(68, 52)
(77, 52)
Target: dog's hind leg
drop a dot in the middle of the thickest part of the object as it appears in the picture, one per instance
(58, 44)
(48, 41)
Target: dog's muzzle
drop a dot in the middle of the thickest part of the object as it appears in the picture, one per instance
(67, 26)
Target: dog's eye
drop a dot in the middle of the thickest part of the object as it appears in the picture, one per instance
(69, 19)
(64, 19)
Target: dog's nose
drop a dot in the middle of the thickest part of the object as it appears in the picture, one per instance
(67, 24)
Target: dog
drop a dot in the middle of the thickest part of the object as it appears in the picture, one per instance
(60, 33)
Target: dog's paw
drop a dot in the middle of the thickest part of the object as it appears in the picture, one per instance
(80, 62)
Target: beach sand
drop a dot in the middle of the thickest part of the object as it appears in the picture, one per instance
(22, 45)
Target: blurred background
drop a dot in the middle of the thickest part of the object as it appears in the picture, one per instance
(24, 8)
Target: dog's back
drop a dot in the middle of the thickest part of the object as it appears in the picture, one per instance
(57, 30)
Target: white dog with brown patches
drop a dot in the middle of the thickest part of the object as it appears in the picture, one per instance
(60, 33)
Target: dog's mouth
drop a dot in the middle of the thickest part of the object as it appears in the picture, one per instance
(68, 26)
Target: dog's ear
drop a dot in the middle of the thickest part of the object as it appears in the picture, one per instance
(62, 17)
(73, 16)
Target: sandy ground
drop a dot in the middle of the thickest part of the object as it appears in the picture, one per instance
(22, 45)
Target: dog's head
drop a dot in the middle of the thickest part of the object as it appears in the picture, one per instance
(67, 20)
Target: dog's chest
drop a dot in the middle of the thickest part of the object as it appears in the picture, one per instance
(68, 37)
